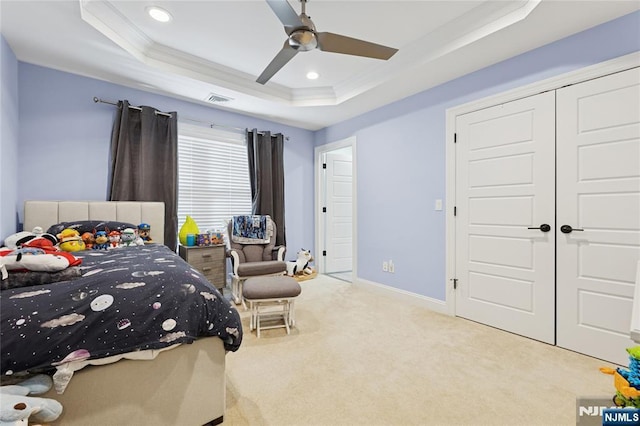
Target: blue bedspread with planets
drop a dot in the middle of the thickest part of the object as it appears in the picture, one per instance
(128, 299)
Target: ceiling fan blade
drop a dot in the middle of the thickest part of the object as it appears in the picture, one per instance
(281, 59)
(330, 42)
(286, 14)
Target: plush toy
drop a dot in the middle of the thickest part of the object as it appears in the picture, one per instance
(39, 255)
(301, 264)
(129, 237)
(16, 240)
(17, 407)
(114, 239)
(89, 240)
(70, 240)
(101, 240)
(144, 232)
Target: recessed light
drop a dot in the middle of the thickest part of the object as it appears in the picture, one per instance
(312, 75)
(159, 14)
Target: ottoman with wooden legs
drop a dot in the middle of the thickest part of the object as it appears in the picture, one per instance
(271, 299)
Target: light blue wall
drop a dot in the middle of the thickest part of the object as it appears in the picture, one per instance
(401, 155)
(64, 139)
(9, 133)
(64, 142)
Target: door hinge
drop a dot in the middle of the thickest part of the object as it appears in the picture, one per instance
(324, 210)
(324, 252)
(455, 210)
(324, 165)
(455, 138)
(455, 283)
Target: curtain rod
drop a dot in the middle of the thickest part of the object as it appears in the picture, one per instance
(96, 99)
(212, 125)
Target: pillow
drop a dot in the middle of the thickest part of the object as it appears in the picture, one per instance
(29, 278)
(83, 226)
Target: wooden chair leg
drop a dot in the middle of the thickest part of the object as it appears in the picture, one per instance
(235, 290)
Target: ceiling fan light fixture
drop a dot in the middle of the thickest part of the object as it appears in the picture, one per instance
(159, 14)
(302, 36)
(312, 75)
(303, 40)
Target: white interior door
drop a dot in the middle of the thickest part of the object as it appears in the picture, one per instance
(504, 187)
(339, 213)
(598, 152)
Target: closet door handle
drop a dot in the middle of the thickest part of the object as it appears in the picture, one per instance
(544, 227)
(567, 229)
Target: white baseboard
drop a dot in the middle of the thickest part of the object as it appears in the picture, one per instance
(415, 299)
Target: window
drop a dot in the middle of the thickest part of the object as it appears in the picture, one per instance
(213, 176)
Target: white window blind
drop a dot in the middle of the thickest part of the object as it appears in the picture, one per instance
(213, 176)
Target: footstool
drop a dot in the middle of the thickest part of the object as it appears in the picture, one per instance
(271, 298)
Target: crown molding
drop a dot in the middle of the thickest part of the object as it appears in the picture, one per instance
(483, 20)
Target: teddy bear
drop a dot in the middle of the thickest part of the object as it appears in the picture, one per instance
(18, 407)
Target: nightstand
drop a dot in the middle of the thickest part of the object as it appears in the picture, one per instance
(210, 260)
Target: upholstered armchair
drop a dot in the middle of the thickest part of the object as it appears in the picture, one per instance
(254, 260)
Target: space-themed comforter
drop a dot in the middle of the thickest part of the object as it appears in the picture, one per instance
(128, 299)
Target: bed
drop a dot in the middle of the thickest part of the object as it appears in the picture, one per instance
(153, 308)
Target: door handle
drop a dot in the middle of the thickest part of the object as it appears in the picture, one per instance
(544, 227)
(567, 229)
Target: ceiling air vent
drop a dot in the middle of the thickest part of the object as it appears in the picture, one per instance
(216, 99)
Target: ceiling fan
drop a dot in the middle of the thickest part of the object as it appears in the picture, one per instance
(302, 36)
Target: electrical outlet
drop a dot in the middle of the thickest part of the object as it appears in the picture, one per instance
(392, 267)
(385, 267)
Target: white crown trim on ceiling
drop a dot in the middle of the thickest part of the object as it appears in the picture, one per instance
(481, 21)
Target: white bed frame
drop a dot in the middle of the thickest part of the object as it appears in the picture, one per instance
(181, 386)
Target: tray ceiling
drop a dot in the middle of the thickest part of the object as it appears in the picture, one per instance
(220, 47)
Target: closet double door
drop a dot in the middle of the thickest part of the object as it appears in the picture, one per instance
(548, 215)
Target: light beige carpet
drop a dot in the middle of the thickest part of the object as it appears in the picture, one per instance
(356, 357)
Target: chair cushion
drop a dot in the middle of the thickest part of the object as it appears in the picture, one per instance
(270, 288)
(252, 269)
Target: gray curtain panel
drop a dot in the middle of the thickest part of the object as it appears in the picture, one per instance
(266, 173)
(144, 162)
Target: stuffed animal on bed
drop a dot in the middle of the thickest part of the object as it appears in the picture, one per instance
(101, 240)
(39, 255)
(18, 407)
(70, 240)
(129, 237)
(114, 239)
(89, 240)
(144, 232)
(301, 264)
(16, 240)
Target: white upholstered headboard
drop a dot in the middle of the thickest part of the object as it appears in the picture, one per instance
(47, 213)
